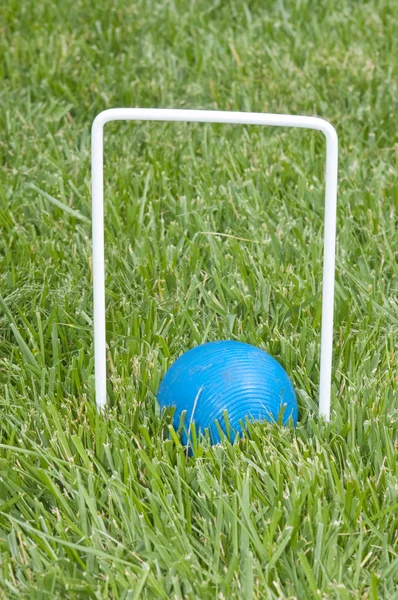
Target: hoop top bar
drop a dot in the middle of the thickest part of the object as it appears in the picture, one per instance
(213, 116)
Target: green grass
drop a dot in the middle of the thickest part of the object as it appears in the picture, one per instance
(111, 507)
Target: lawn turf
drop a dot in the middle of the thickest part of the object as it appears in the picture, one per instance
(112, 507)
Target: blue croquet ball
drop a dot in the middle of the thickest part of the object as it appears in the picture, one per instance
(227, 376)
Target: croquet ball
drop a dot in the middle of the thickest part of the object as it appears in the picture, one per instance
(227, 376)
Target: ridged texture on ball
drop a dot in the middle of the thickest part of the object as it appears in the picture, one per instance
(227, 375)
